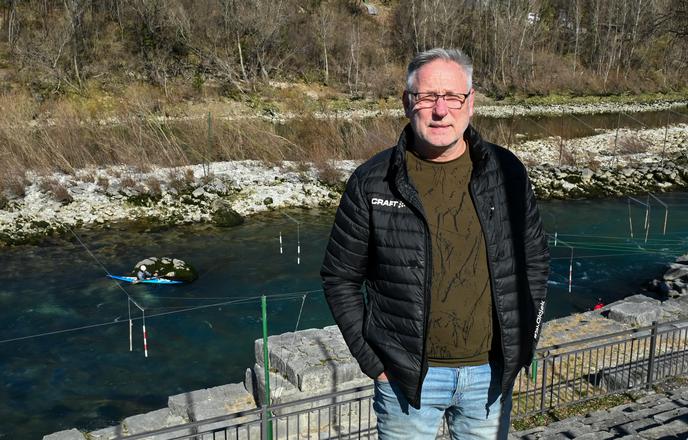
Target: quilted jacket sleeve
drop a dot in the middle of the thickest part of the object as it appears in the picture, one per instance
(537, 258)
(343, 273)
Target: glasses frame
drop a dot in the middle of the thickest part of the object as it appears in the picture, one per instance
(437, 96)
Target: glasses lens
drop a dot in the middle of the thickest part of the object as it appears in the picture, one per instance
(426, 100)
(454, 101)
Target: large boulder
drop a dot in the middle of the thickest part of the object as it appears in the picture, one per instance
(170, 268)
(675, 272)
(223, 215)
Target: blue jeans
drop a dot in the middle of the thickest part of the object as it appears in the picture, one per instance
(468, 397)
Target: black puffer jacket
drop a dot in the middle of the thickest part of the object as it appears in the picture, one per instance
(380, 237)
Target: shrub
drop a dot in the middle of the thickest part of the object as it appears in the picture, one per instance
(631, 144)
(103, 182)
(56, 190)
(328, 174)
(153, 185)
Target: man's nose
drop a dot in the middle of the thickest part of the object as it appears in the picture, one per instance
(440, 109)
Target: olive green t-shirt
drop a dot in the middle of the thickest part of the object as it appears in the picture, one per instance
(460, 324)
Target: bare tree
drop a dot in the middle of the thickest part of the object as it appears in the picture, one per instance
(75, 10)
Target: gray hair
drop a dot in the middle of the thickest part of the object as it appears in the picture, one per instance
(439, 53)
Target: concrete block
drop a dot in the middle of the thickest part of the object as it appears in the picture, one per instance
(334, 416)
(637, 425)
(70, 434)
(598, 435)
(311, 359)
(216, 402)
(676, 429)
(109, 433)
(674, 413)
(153, 421)
(211, 402)
(636, 314)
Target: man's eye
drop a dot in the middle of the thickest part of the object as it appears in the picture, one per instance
(452, 98)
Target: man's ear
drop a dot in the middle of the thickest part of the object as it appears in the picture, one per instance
(470, 103)
(405, 99)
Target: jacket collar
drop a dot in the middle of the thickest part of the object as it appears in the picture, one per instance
(476, 148)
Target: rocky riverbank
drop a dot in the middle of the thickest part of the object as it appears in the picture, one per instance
(223, 193)
(494, 111)
(674, 281)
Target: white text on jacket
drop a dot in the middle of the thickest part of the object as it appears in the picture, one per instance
(538, 320)
(383, 202)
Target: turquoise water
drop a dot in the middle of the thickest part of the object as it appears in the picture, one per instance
(202, 334)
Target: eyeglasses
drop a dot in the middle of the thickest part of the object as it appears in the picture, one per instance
(429, 99)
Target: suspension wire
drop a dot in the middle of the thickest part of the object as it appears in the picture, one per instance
(583, 122)
(666, 210)
(631, 117)
(281, 297)
(677, 113)
(275, 295)
(104, 268)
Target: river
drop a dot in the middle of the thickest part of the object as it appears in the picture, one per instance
(64, 341)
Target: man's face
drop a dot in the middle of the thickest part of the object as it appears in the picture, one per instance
(438, 128)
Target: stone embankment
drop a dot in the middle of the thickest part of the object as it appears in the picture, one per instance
(312, 362)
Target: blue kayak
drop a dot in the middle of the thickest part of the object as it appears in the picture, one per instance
(146, 281)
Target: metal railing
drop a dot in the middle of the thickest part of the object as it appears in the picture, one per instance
(595, 367)
(562, 375)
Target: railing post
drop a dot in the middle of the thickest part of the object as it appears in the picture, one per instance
(651, 358)
(264, 422)
(544, 383)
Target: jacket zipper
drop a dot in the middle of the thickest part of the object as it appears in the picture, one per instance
(426, 308)
(426, 287)
(471, 188)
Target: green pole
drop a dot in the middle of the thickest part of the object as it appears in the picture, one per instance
(534, 366)
(266, 362)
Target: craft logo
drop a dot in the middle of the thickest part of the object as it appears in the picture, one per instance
(538, 320)
(383, 202)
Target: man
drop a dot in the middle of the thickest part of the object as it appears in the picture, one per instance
(143, 274)
(444, 232)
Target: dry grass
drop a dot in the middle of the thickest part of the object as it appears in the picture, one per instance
(140, 138)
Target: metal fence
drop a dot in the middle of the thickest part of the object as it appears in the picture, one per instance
(587, 369)
(561, 375)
